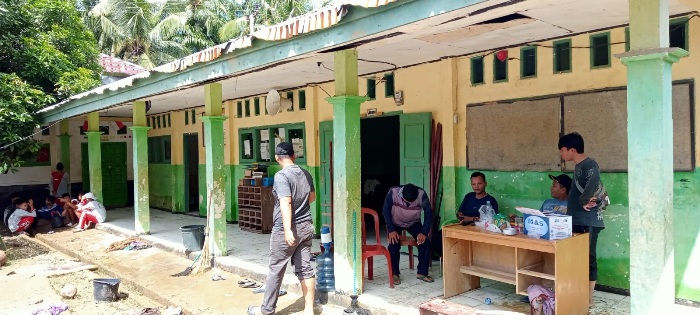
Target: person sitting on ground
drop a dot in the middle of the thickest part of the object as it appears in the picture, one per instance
(10, 208)
(469, 209)
(22, 219)
(75, 205)
(402, 212)
(560, 195)
(92, 212)
(50, 210)
(68, 211)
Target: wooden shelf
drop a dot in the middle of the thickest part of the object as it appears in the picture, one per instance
(536, 274)
(255, 207)
(496, 275)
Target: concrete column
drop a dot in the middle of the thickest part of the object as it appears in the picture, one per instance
(650, 157)
(215, 169)
(347, 214)
(95, 154)
(64, 141)
(139, 133)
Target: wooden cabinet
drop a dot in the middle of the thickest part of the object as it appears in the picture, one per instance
(471, 253)
(255, 208)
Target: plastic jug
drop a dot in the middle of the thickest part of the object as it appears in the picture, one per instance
(325, 276)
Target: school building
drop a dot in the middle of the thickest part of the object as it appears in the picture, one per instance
(505, 79)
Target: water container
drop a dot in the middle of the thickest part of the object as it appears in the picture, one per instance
(106, 289)
(325, 276)
(193, 237)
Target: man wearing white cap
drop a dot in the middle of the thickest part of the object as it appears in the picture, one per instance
(92, 212)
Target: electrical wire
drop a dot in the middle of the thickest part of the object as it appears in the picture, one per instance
(29, 136)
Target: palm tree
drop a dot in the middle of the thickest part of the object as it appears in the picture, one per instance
(147, 33)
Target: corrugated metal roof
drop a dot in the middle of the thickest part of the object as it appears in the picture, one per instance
(115, 65)
(317, 20)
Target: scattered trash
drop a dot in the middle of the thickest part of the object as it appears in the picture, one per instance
(217, 277)
(149, 311)
(173, 311)
(53, 271)
(50, 232)
(131, 243)
(11, 273)
(69, 291)
(36, 301)
(51, 309)
(487, 301)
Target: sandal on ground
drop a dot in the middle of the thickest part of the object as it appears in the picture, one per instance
(397, 280)
(248, 285)
(425, 278)
(254, 310)
(244, 281)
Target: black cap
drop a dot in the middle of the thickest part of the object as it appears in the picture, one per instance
(562, 179)
(284, 148)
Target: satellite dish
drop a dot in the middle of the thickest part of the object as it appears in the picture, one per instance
(274, 103)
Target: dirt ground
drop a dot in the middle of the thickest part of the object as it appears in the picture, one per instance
(32, 290)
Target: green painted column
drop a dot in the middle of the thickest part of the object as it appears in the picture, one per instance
(650, 157)
(95, 154)
(347, 213)
(139, 134)
(215, 168)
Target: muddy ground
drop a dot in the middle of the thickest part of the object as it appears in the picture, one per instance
(25, 288)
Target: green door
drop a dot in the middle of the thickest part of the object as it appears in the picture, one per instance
(326, 135)
(415, 149)
(114, 177)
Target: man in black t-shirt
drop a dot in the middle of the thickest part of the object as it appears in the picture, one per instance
(469, 209)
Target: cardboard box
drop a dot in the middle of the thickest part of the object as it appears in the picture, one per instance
(248, 173)
(548, 226)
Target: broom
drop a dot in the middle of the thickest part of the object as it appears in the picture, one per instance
(204, 263)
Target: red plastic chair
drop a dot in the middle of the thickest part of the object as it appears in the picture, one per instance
(369, 251)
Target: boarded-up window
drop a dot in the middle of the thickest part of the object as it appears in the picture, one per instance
(514, 136)
(523, 135)
(601, 118)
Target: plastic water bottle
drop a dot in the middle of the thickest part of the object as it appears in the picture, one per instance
(325, 276)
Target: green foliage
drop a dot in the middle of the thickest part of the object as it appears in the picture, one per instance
(18, 101)
(46, 54)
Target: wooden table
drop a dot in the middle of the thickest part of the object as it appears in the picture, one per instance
(471, 253)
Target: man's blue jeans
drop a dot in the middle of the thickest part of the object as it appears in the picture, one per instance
(423, 250)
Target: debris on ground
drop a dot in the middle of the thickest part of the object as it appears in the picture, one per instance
(53, 271)
(69, 291)
(51, 309)
(131, 243)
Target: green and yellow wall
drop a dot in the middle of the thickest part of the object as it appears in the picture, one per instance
(443, 88)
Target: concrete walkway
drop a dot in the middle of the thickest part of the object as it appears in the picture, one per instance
(248, 257)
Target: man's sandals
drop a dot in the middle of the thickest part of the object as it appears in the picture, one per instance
(425, 278)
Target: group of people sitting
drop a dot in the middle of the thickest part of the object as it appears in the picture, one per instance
(22, 217)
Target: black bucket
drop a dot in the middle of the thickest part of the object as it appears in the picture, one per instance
(193, 237)
(106, 289)
(56, 221)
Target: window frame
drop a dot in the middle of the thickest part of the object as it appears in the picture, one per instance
(505, 62)
(555, 56)
(256, 141)
(523, 51)
(160, 150)
(472, 60)
(592, 48)
(256, 106)
(389, 85)
(684, 21)
(290, 97)
(302, 99)
(372, 89)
